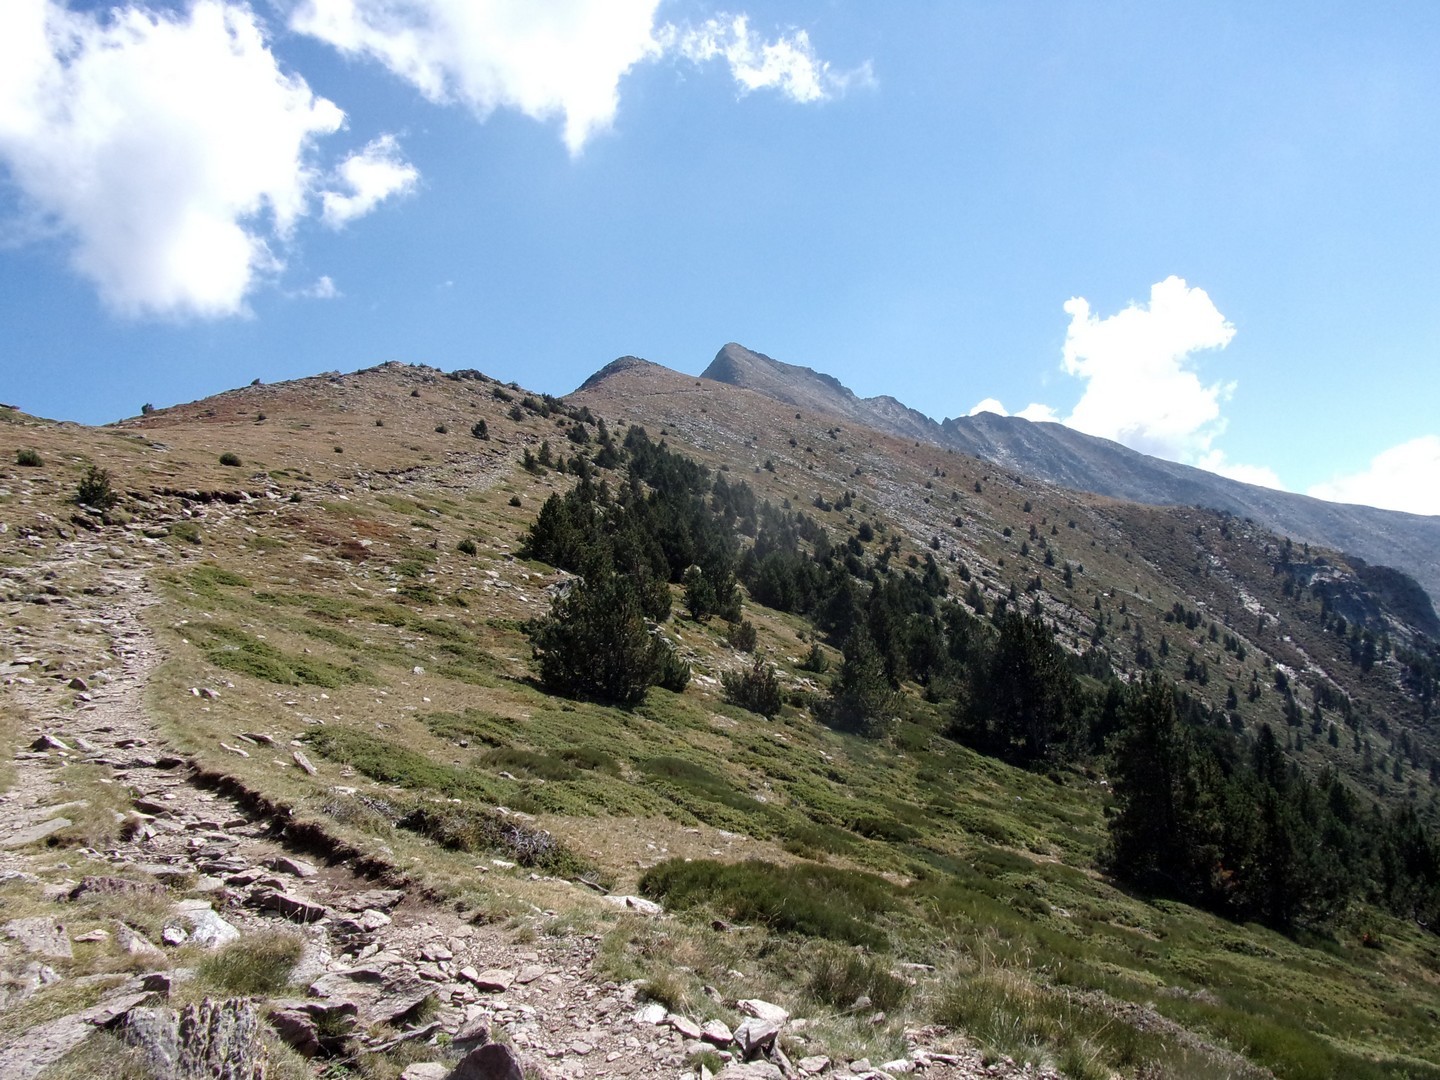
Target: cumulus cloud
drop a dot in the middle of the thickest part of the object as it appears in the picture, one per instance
(1261, 475)
(370, 176)
(1404, 477)
(170, 149)
(1141, 388)
(544, 60)
(557, 60)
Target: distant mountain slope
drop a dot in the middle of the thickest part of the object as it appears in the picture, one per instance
(1061, 455)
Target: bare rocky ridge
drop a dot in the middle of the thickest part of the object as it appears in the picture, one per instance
(1059, 455)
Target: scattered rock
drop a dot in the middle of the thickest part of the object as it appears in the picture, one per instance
(206, 927)
(717, 1032)
(750, 1070)
(815, 1065)
(293, 907)
(48, 742)
(136, 944)
(425, 1070)
(105, 885)
(491, 980)
(755, 1035)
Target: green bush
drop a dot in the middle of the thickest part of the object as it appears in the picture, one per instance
(741, 635)
(757, 689)
(28, 458)
(815, 901)
(467, 547)
(230, 459)
(96, 489)
(595, 643)
(480, 430)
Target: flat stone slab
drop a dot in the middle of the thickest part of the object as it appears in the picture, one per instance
(42, 935)
(36, 832)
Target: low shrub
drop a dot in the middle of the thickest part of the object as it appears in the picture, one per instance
(842, 979)
(230, 459)
(815, 901)
(757, 689)
(28, 458)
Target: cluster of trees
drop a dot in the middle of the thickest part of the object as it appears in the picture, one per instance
(1201, 813)
(1233, 827)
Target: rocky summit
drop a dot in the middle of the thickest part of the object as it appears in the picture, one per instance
(409, 724)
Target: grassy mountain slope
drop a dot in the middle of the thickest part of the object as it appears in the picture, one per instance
(357, 583)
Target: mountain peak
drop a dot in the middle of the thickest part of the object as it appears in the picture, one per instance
(618, 366)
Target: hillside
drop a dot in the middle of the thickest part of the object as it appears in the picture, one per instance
(288, 678)
(1059, 455)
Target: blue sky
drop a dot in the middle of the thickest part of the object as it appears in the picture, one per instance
(1208, 231)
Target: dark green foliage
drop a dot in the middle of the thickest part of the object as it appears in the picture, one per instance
(674, 673)
(595, 643)
(1245, 835)
(230, 459)
(742, 635)
(467, 546)
(28, 458)
(480, 430)
(861, 697)
(757, 689)
(96, 489)
(815, 660)
(817, 901)
(1024, 706)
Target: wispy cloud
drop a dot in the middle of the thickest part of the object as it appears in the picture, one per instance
(788, 64)
(370, 176)
(1404, 477)
(323, 288)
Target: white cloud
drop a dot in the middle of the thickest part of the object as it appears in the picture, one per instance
(1035, 412)
(1404, 477)
(1040, 414)
(1214, 460)
(1140, 386)
(560, 59)
(788, 63)
(324, 288)
(169, 148)
(371, 175)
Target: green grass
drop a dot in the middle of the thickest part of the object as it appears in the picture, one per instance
(258, 964)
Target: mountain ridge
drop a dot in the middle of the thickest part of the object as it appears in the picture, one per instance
(1060, 455)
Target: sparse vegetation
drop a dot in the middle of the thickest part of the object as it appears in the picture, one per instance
(230, 459)
(28, 458)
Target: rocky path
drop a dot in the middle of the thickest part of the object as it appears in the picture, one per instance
(380, 970)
